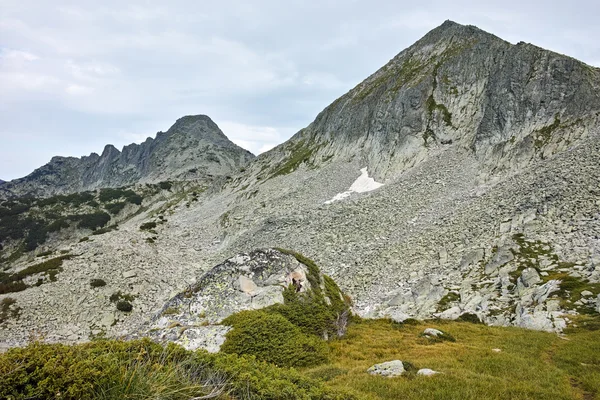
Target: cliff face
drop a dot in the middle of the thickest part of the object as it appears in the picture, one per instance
(457, 86)
(193, 148)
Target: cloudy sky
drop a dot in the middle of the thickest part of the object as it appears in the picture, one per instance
(76, 75)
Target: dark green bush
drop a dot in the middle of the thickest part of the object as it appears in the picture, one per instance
(166, 185)
(14, 282)
(109, 194)
(147, 226)
(115, 208)
(97, 283)
(8, 309)
(272, 338)
(12, 287)
(141, 369)
(102, 231)
(470, 317)
(124, 306)
(93, 221)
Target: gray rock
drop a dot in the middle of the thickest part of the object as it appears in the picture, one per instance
(129, 274)
(432, 332)
(388, 369)
(427, 372)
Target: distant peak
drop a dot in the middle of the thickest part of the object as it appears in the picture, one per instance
(109, 149)
(196, 124)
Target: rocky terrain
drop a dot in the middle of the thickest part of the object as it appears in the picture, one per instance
(466, 180)
(193, 148)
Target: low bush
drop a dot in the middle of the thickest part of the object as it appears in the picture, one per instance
(92, 221)
(141, 369)
(470, 317)
(124, 306)
(8, 309)
(272, 338)
(95, 283)
(148, 226)
(14, 282)
(115, 208)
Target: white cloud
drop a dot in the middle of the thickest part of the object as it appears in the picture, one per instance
(256, 139)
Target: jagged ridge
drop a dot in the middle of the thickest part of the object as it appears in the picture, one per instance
(193, 148)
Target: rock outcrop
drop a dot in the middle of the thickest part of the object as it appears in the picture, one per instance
(193, 148)
(249, 281)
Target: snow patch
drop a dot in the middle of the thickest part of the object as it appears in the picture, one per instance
(361, 185)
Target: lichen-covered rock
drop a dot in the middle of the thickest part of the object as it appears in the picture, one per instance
(427, 372)
(248, 281)
(388, 369)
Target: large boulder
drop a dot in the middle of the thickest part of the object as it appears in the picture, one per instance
(388, 369)
(248, 281)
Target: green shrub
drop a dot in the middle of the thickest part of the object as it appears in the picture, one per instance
(272, 338)
(147, 226)
(110, 194)
(117, 296)
(97, 283)
(8, 309)
(12, 287)
(93, 221)
(141, 369)
(124, 306)
(14, 282)
(166, 185)
(102, 231)
(115, 208)
(470, 317)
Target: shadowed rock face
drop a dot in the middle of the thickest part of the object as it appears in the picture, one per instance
(193, 148)
(458, 85)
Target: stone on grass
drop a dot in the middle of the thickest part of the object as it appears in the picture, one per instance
(426, 372)
(432, 332)
(389, 369)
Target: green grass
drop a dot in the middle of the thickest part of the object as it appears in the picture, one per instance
(544, 135)
(531, 365)
(299, 153)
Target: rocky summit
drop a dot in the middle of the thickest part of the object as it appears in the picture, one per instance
(460, 181)
(193, 148)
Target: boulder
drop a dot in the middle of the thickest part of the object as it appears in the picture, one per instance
(427, 372)
(248, 281)
(432, 332)
(388, 369)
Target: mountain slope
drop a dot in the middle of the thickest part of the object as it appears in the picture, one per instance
(193, 148)
(508, 104)
(490, 158)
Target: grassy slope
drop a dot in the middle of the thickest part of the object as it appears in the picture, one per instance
(531, 365)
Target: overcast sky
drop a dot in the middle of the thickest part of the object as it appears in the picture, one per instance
(76, 75)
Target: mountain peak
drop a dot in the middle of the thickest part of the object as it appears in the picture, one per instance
(193, 148)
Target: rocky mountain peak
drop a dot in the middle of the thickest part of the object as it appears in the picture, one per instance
(193, 148)
(456, 86)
